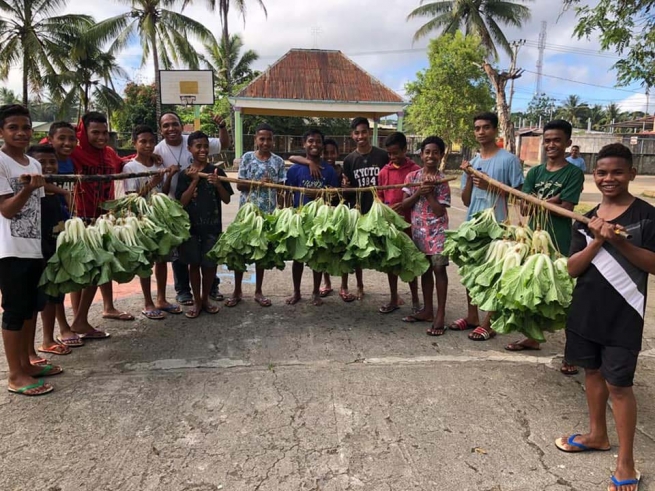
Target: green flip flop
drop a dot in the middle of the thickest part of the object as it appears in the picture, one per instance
(24, 391)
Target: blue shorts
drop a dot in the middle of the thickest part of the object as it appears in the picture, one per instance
(194, 251)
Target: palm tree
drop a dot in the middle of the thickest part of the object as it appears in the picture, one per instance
(223, 10)
(231, 66)
(8, 96)
(573, 110)
(164, 34)
(596, 116)
(480, 17)
(29, 36)
(89, 72)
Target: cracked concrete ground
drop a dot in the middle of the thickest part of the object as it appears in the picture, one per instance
(304, 398)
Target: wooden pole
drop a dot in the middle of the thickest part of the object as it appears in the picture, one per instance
(558, 210)
(321, 190)
(61, 178)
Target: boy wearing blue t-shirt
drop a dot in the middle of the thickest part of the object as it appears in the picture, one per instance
(502, 166)
(300, 176)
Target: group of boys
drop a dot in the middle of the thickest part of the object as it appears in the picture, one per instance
(611, 270)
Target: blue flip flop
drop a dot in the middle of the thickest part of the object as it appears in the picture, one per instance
(579, 447)
(626, 482)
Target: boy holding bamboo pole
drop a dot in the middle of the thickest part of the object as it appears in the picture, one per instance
(605, 323)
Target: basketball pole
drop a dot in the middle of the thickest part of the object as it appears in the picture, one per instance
(196, 118)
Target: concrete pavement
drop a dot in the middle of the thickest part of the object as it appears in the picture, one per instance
(337, 397)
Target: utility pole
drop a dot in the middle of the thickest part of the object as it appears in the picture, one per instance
(516, 45)
(540, 61)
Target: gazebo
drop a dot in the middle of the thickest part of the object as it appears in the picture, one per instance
(316, 83)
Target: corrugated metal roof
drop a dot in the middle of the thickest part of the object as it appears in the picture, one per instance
(318, 75)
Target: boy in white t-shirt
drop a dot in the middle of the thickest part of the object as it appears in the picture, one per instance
(144, 140)
(21, 258)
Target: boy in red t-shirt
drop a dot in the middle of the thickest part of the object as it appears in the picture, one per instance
(395, 172)
(93, 156)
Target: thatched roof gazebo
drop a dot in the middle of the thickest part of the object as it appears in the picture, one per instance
(316, 83)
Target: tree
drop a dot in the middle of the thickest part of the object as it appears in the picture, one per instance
(624, 27)
(30, 35)
(89, 72)
(231, 67)
(479, 17)
(541, 108)
(223, 10)
(138, 108)
(8, 96)
(595, 114)
(573, 110)
(164, 34)
(446, 96)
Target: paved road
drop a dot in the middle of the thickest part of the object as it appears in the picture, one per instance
(305, 398)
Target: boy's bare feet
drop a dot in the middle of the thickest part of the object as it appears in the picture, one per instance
(316, 300)
(360, 292)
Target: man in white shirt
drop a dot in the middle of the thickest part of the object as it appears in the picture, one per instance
(174, 151)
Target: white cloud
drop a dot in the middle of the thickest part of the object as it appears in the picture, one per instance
(373, 26)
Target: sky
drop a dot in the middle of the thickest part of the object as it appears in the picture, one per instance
(376, 35)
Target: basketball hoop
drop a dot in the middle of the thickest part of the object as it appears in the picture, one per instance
(187, 100)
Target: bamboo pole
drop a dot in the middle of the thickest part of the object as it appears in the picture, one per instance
(558, 210)
(61, 178)
(326, 190)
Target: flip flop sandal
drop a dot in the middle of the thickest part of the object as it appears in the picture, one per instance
(185, 300)
(482, 334)
(171, 309)
(72, 342)
(49, 371)
(567, 369)
(436, 331)
(563, 442)
(388, 308)
(413, 319)
(155, 314)
(324, 292)
(461, 325)
(211, 309)
(347, 296)
(518, 346)
(625, 482)
(57, 349)
(122, 316)
(233, 301)
(263, 302)
(192, 314)
(39, 362)
(25, 391)
(219, 297)
(94, 334)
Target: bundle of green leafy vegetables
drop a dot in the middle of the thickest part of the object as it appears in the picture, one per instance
(245, 241)
(378, 242)
(514, 272)
(117, 246)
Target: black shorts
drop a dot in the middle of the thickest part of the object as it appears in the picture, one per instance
(617, 365)
(194, 251)
(19, 284)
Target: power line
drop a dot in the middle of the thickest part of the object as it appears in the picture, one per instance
(587, 83)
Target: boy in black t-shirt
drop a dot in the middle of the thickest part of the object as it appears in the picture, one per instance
(361, 169)
(53, 217)
(606, 319)
(201, 199)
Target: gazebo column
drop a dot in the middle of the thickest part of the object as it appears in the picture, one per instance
(401, 120)
(238, 134)
(375, 131)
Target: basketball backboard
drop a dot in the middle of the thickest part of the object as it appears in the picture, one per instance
(186, 87)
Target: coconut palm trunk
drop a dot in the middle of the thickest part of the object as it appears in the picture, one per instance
(155, 62)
